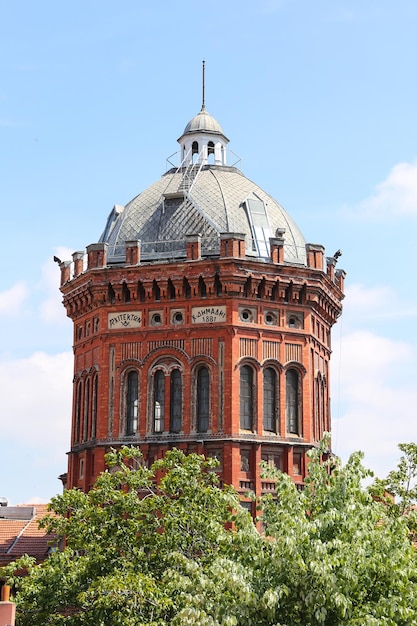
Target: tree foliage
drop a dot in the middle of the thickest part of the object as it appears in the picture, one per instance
(166, 545)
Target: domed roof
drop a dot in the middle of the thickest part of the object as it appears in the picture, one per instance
(201, 197)
(203, 122)
(218, 199)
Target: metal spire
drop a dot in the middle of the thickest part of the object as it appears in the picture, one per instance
(203, 106)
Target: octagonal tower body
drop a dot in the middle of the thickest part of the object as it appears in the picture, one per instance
(202, 321)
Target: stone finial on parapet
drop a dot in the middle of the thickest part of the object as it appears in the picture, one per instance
(315, 256)
(78, 258)
(97, 255)
(193, 246)
(232, 245)
(330, 267)
(340, 279)
(133, 252)
(331, 263)
(277, 246)
(65, 267)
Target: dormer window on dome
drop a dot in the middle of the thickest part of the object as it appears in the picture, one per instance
(259, 224)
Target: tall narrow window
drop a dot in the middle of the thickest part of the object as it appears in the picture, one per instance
(175, 402)
(94, 408)
(246, 397)
(86, 410)
(78, 412)
(323, 408)
(158, 401)
(132, 403)
(202, 400)
(316, 388)
(270, 399)
(293, 401)
(210, 152)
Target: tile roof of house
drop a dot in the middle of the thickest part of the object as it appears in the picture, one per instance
(20, 534)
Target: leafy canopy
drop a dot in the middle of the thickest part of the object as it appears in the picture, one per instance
(166, 545)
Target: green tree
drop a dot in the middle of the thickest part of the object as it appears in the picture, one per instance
(337, 555)
(132, 548)
(166, 545)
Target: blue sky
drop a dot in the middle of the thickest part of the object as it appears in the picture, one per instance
(319, 99)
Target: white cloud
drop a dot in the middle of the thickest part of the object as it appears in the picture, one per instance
(376, 302)
(377, 402)
(363, 297)
(396, 195)
(12, 299)
(36, 500)
(36, 402)
(50, 308)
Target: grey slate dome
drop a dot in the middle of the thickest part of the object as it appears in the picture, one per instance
(201, 197)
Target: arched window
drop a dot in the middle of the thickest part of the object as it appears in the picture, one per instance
(158, 401)
(86, 410)
(210, 152)
(175, 407)
(94, 408)
(78, 411)
(270, 399)
(322, 408)
(246, 397)
(202, 400)
(293, 398)
(132, 402)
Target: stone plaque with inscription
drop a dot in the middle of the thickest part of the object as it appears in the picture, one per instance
(129, 319)
(208, 314)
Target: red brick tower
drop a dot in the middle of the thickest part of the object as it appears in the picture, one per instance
(201, 321)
